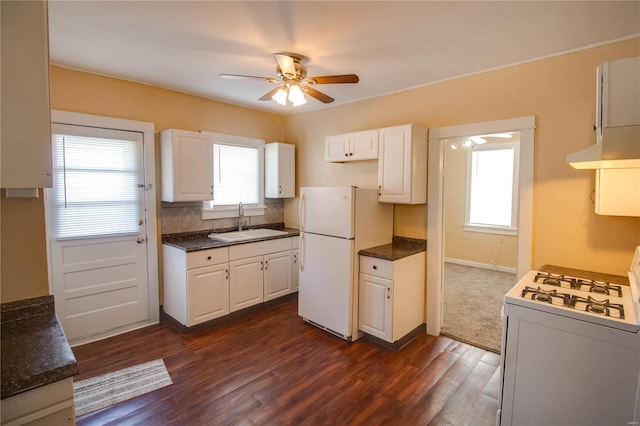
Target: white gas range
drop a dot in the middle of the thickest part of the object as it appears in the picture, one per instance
(571, 351)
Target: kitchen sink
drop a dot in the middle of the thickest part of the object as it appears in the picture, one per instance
(249, 234)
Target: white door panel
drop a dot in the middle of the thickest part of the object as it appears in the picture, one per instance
(327, 211)
(326, 279)
(100, 282)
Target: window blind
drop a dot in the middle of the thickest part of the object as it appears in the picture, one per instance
(95, 186)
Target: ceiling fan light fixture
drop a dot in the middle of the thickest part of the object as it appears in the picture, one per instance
(296, 96)
(280, 96)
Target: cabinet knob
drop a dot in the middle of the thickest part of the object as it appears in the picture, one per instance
(208, 257)
(375, 267)
(350, 154)
(346, 154)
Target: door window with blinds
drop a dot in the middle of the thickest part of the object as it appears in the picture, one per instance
(97, 182)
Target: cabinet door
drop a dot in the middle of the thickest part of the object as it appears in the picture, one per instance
(394, 164)
(26, 117)
(208, 293)
(187, 166)
(375, 306)
(336, 148)
(363, 145)
(277, 275)
(295, 277)
(279, 170)
(246, 285)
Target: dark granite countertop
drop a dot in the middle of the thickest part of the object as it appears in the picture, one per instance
(591, 275)
(195, 241)
(35, 351)
(399, 248)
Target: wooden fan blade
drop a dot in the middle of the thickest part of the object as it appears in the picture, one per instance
(333, 79)
(269, 94)
(247, 77)
(316, 94)
(286, 65)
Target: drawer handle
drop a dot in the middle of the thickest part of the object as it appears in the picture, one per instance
(208, 257)
(375, 267)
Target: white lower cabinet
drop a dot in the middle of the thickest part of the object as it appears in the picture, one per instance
(208, 293)
(277, 274)
(196, 284)
(203, 285)
(375, 306)
(392, 296)
(247, 282)
(46, 405)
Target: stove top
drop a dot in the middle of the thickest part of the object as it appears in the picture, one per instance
(600, 302)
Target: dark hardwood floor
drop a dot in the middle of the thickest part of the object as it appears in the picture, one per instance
(272, 368)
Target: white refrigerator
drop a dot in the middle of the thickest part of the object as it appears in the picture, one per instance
(335, 223)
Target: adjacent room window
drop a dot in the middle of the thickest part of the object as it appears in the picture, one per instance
(95, 186)
(238, 177)
(492, 188)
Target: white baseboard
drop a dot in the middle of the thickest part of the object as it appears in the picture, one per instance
(481, 265)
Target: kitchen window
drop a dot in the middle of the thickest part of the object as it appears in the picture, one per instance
(238, 177)
(492, 188)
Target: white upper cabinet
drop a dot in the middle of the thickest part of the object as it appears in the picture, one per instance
(402, 165)
(280, 170)
(352, 146)
(187, 166)
(26, 116)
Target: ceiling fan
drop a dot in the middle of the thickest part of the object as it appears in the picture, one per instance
(292, 74)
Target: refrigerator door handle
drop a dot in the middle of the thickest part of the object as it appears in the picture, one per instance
(300, 213)
(301, 251)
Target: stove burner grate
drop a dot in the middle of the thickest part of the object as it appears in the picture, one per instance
(601, 307)
(599, 287)
(557, 280)
(547, 296)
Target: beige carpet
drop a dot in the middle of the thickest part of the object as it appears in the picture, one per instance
(472, 304)
(109, 389)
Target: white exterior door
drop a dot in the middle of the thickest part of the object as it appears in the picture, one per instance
(96, 228)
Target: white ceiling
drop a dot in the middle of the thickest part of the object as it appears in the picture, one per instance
(391, 46)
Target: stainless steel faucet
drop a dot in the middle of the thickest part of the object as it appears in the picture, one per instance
(240, 216)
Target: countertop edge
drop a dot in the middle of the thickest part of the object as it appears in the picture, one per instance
(398, 248)
(199, 240)
(35, 351)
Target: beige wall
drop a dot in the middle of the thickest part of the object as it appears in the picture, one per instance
(24, 268)
(478, 247)
(559, 91)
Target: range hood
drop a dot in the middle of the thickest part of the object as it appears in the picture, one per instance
(619, 148)
(617, 118)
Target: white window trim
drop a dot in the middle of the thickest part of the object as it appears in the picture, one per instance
(487, 228)
(231, 211)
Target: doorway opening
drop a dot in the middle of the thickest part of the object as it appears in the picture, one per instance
(482, 244)
(480, 234)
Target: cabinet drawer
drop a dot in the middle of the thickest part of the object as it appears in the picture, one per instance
(197, 259)
(377, 267)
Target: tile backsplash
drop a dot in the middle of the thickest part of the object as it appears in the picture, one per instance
(185, 217)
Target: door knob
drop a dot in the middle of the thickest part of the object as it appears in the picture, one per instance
(140, 240)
